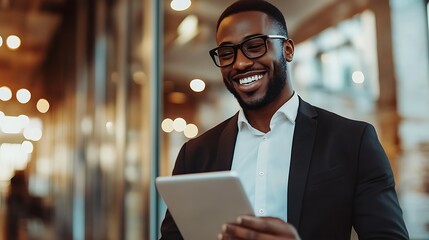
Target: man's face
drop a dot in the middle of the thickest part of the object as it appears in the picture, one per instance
(254, 82)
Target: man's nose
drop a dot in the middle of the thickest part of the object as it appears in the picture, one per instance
(242, 61)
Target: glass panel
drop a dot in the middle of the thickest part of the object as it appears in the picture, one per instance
(341, 60)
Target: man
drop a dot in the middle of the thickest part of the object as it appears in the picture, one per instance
(309, 173)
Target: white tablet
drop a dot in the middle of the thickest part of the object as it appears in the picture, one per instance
(201, 203)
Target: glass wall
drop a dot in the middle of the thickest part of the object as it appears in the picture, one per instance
(341, 61)
(93, 169)
(411, 53)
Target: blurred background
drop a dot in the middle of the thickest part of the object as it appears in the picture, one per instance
(97, 97)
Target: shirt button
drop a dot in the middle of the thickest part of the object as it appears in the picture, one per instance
(261, 173)
(264, 138)
(261, 211)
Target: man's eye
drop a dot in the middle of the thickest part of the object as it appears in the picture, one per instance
(256, 47)
(225, 54)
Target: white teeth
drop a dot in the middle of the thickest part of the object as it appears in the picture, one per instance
(250, 79)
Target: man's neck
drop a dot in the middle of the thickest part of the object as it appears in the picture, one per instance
(260, 118)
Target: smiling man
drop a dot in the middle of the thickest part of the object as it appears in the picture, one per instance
(309, 173)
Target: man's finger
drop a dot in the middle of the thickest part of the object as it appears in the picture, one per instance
(237, 232)
(267, 225)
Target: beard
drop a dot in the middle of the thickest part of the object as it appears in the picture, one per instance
(275, 86)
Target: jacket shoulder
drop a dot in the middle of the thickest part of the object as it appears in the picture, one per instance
(214, 132)
(330, 118)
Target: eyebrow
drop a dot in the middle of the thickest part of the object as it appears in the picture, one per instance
(245, 38)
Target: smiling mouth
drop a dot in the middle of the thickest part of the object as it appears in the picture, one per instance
(251, 79)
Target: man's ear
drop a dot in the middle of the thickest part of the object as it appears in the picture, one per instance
(288, 48)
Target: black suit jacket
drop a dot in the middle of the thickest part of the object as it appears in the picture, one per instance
(339, 176)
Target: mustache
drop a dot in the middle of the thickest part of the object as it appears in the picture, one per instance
(233, 75)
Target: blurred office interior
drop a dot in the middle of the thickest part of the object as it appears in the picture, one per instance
(97, 97)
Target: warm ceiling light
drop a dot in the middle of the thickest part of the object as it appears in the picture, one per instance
(5, 94)
(197, 85)
(23, 95)
(13, 125)
(11, 159)
(42, 105)
(179, 124)
(167, 125)
(13, 42)
(177, 97)
(33, 133)
(187, 29)
(180, 5)
(27, 147)
(23, 120)
(1, 41)
(191, 130)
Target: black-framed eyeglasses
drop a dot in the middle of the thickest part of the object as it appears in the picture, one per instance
(252, 48)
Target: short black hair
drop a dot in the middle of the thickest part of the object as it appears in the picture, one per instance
(256, 5)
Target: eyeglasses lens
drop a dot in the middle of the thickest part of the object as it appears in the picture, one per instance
(252, 48)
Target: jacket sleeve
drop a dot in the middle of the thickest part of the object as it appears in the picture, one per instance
(377, 214)
(169, 230)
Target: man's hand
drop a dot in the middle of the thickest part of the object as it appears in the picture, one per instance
(262, 228)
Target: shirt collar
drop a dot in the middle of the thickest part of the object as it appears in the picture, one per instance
(289, 109)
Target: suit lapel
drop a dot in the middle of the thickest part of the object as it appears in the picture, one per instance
(225, 151)
(302, 146)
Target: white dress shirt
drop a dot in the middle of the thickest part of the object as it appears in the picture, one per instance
(262, 160)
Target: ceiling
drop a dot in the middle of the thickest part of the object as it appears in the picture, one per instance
(179, 58)
(36, 21)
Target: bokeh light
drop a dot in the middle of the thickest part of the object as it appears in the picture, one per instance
(167, 125)
(197, 85)
(358, 77)
(27, 147)
(179, 124)
(23, 95)
(23, 120)
(191, 130)
(13, 42)
(33, 133)
(180, 5)
(5, 93)
(177, 97)
(42, 105)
